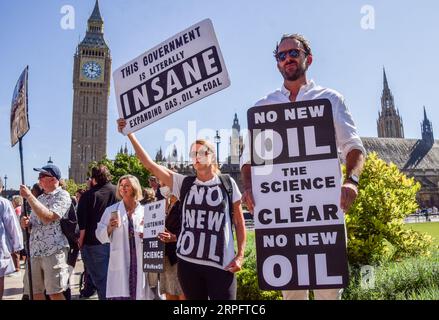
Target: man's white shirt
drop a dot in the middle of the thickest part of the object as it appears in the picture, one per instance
(346, 135)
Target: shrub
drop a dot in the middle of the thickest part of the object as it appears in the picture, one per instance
(247, 278)
(375, 221)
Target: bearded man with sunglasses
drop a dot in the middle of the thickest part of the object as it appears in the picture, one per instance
(293, 56)
(48, 245)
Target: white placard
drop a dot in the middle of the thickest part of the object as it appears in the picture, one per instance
(154, 219)
(153, 248)
(179, 71)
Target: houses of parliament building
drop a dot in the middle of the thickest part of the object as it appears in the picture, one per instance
(417, 158)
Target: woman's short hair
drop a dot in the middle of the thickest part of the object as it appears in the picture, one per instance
(17, 200)
(211, 149)
(137, 189)
(63, 184)
(149, 195)
(37, 190)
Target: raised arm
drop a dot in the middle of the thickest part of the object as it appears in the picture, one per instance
(164, 174)
(46, 215)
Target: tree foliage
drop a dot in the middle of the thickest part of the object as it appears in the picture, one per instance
(375, 221)
(125, 164)
(72, 187)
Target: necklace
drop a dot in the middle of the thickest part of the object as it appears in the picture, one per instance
(129, 209)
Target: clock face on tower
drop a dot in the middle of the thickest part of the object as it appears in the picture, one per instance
(92, 70)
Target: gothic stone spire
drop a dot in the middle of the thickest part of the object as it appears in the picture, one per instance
(389, 121)
(427, 130)
(96, 14)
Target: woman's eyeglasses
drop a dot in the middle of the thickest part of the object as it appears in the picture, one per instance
(293, 53)
(200, 153)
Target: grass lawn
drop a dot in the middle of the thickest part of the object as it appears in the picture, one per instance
(431, 228)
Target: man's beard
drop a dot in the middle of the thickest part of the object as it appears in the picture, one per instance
(294, 75)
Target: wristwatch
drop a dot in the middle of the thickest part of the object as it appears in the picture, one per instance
(353, 179)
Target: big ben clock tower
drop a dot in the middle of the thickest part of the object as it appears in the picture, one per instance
(91, 89)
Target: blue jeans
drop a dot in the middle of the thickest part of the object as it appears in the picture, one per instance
(96, 259)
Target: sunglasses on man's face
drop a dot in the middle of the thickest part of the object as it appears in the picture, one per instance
(293, 53)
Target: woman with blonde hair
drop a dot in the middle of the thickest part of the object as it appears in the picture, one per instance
(121, 225)
(207, 261)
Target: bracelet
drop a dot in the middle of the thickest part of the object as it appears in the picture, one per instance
(351, 181)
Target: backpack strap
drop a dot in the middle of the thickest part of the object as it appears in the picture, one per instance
(69, 225)
(227, 185)
(188, 181)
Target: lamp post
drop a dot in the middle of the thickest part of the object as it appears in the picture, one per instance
(6, 180)
(217, 140)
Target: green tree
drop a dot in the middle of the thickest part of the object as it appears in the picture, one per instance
(375, 221)
(122, 165)
(72, 187)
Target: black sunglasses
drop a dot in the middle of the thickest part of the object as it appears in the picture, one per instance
(293, 53)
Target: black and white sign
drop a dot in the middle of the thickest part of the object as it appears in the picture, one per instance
(181, 70)
(153, 248)
(204, 221)
(19, 114)
(296, 181)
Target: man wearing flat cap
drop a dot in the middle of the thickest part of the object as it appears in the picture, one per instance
(48, 245)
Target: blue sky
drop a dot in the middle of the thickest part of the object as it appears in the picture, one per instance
(347, 58)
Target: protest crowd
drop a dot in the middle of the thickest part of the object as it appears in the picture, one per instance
(200, 246)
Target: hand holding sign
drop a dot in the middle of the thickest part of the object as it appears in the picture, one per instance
(247, 198)
(25, 192)
(349, 193)
(167, 236)
(121, 124)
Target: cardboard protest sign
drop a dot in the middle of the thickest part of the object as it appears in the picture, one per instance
(153, 248)
(179, 71)
(296, 184)
(19, 112)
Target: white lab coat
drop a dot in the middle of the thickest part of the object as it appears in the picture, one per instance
(119, 264)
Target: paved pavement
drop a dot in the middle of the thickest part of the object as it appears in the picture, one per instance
(14, 284)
